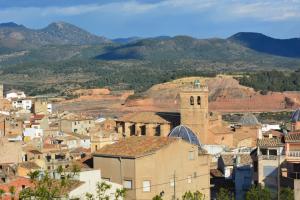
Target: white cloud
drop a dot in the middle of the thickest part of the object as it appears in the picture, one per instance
(264, 10)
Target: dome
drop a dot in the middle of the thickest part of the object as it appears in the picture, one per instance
(249, 120)
(185, 133)
(296, 116)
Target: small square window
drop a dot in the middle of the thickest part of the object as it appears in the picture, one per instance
(172, 182)
(191, 155)
(189, 179)
(106, 179)
(146, 186)
(127, 184)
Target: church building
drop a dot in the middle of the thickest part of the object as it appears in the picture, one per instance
(195, 115)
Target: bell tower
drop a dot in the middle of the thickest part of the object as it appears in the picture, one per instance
(194, 110)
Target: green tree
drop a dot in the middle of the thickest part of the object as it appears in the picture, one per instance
(258, 193)
(120, 193)
(157, 197)
(225, 194)
(193, 196)
(2, 192)
(102, 188)
(286, 194)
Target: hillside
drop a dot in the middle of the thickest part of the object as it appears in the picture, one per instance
(221, 53)
(225, 95)
(269, 45)
(62, 56)
(14, 37)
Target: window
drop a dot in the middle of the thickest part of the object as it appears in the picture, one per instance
(106, 179)
(273, 152)
(127, 184)
(192, 100)
(191, 155)
(172, 182)
(199, 100)
(189, 179)
(146, 186)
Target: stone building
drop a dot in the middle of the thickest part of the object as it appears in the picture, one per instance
(148, 166)
(72, 123)
(194, 114)
(147, 123)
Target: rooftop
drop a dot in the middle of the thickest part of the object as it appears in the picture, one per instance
(29, 165)
(230, 159)
(134, 147)
(75, 117)
(185, 133)
(249, 120)
(145, 117)
(294, 137)
(270, 142)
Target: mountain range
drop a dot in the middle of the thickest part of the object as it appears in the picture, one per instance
(14, 37)
(80, 58)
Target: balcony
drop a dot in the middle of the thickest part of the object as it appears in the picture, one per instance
(293, 156)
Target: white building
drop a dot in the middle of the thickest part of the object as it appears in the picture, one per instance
(15, 94)
(268, 127)
(90, 179)
(25, 104)
(32, 133)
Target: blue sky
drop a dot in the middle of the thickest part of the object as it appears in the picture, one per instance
(147, 18)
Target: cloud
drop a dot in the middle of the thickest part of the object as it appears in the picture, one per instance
(267, 10)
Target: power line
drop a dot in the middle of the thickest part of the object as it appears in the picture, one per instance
(178, 180)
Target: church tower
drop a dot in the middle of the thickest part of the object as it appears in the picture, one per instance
(194, 110)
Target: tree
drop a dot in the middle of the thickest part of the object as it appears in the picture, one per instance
(225, 194)
(258, 193)
(286, 194)
(102, 188)
(157, 197)
(2, 192)
(120, 193)
(193, 196)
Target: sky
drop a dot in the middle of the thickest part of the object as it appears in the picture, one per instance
(149, 18)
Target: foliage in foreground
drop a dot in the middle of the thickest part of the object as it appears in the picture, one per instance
(102, 189)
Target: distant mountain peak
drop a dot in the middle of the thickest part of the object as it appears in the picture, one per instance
(10, 25)
(265, 44)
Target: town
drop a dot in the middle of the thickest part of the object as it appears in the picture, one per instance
(149, 100)
(143, 155)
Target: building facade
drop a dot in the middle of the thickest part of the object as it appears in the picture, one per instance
(149, 166)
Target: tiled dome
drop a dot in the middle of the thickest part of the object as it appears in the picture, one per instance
(185, 133)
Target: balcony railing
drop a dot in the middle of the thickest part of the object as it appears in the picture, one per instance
(294, 154)
(268, 157)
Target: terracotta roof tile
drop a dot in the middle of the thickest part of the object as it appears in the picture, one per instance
(229, 159)
(135, 146)
(294, 137)
(29, 165)
(269, 142)
(144, 117)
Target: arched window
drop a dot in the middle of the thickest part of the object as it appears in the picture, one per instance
(199, 100)
(192, 100)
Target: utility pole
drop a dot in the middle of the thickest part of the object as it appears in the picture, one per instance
(174, 185)
(278, 174)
